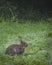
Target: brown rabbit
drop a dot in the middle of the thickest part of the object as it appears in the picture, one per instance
(16, 49)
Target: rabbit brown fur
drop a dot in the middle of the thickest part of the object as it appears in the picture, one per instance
(16, 49)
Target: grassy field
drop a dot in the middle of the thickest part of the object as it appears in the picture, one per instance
(37, 35)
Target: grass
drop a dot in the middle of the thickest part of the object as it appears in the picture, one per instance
(37, 35)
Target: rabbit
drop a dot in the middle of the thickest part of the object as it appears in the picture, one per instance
(16, 49)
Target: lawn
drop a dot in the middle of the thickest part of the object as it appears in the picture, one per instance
(38, 37)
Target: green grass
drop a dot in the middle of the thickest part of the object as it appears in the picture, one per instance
(37, 35)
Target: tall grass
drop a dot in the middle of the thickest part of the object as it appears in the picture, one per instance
(38, 36)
